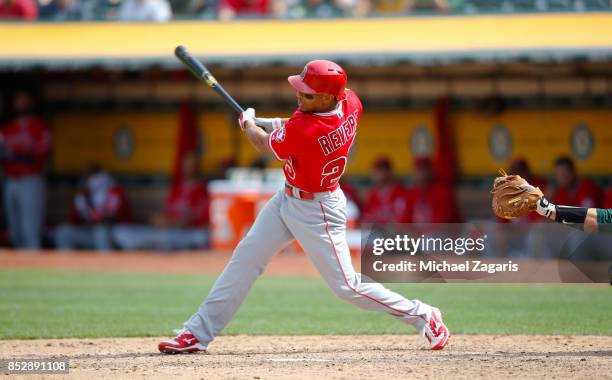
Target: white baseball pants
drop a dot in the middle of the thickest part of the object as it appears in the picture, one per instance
(320, 228)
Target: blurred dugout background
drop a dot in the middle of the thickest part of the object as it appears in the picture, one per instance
(465, 87)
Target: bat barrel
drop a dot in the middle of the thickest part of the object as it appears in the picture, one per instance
(188, 60)
(199, 70)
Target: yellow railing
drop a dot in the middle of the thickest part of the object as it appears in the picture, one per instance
(501, 33)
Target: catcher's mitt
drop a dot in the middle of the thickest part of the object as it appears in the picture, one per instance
(513, 196)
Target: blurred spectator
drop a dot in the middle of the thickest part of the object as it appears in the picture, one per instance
(520, 166)
(386, 202)
(62, 10)
(326, 8)
(225, 166)
(388, 7)
(260, 163)
(205, 9)
(183, 224)
(353, 203)
(571, 190)
(26, 10)
(351, 8)
(608, 199)
(433, 5)
(427, 200)
(98, 205)
(231, 9)
(145, 11)
(350, 193)
(25, 143)
(398, 7)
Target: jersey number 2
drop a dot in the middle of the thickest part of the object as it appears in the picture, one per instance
(332, 171)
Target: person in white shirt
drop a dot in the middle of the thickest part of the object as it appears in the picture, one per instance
(145, 11)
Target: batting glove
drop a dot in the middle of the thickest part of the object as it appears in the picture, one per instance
(245, 116)
(544, 207)
(269, 124)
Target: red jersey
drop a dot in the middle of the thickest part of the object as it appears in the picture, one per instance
(261, 7)
(19, 9)
(104, 204)
(434, 204)
(188, 202)
(608, 199)
(385, 205)
(315, 146)
(28, 142)
(586, 194)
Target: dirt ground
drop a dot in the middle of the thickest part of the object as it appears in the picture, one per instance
(304, 357)
(328, 357)
(284, 264)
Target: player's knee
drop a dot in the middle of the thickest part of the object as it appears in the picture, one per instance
(346, 293)
(250, 255)
(246, 249)
(251, 243)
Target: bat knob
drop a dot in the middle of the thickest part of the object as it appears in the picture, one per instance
(180, 50)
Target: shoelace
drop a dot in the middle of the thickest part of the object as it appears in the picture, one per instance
(180, 331)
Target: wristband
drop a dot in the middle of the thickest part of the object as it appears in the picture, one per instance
(569, 214)
(544, 207)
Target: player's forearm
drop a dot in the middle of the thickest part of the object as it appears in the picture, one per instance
(591, 224)
(580, 216)
(257, 137)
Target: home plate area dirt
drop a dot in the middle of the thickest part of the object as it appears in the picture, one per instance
(327, 357)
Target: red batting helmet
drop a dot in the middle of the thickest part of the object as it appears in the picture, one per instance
(320, 77)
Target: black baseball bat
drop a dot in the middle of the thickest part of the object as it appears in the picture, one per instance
(201, 72)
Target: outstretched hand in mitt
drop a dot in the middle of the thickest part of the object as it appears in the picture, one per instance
(513, 196)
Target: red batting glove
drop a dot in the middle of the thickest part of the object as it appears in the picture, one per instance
(245, 116)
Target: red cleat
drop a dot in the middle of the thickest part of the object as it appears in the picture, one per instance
(183, 343)
(435, 331)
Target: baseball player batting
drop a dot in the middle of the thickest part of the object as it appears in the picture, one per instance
(314, 145)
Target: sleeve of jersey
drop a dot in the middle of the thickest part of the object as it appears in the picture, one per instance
(604, 216)
(280, 140)
(355, 101)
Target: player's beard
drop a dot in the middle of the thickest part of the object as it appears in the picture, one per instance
(301, 107)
